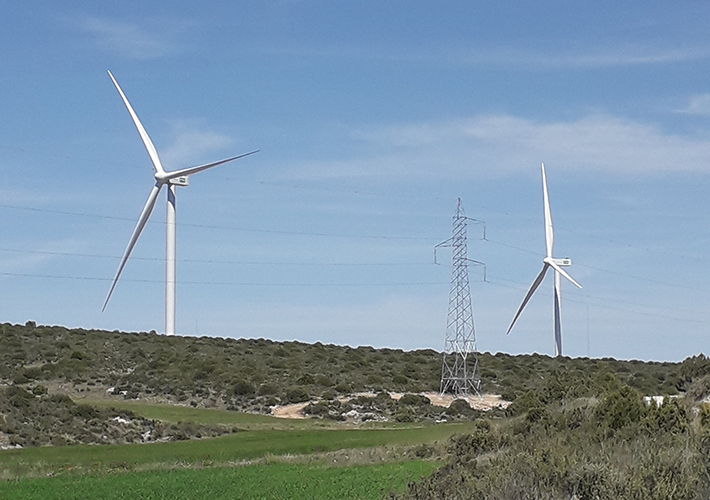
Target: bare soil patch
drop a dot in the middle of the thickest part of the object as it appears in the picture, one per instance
(485, 402)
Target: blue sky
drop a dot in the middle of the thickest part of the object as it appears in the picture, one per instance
(372, 118)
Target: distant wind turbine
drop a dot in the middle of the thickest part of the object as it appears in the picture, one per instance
(162, 178)
(549, 262)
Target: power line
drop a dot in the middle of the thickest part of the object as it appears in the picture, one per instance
(627, 275)
(212, 261)
(226, 283)
(229, 228)
(492, 280)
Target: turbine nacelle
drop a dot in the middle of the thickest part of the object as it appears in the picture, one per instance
(183, 181)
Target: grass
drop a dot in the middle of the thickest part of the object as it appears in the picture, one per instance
(232, 448)
(207, 416)
(274, 481)
(266, 458)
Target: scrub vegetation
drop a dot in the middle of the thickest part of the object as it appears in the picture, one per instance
(255, 374)
(601, 442)
(576, 428)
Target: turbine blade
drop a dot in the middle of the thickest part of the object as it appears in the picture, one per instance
(200, 168)
(557, 268)
(152, 152)
(549, 234)
(145, 214)
(533, 287)
(558, 322)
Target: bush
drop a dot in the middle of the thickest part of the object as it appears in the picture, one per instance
(414, 400)
(268, 389)
(524, 402)
(404, 415)
(318, 409)
(297, 395)
(538, 415)
(698, 390)
(343, 388)
(39, 390)
(619, 408)
(670, 417)
(242, 388)
(459, 407)
(324, 381)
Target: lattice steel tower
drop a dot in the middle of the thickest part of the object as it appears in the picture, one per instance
(459, 370)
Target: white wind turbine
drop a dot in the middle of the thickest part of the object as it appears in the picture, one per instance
(549, 262)
(162, 178)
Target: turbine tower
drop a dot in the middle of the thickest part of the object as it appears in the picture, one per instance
(171, 180)
(549, 262)
(459, 368)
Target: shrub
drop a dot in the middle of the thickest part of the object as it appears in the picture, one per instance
(324, 381)
(343, 388)
(538, 415)
(459, 407)
(525, 402)
(242, 388)
(268, 389)
(670, 417)
(404, 415)
(414, 400)
(297, 395)
(39, 390)
(619, 408)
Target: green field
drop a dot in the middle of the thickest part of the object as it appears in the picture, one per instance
(273, 481)
(207, 416)
(265, 458)
(232, 448)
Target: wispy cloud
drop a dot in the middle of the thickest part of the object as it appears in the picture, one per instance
(192, 144)
(126, 39)
(600, 57)
(471, 54)
(697, 105)
(16, 261)
(501, 145)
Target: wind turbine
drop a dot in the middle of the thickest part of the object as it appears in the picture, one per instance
(549, 262)
(171, 180)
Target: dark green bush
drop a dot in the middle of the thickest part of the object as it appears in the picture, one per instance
(297, 395)
(268, 389)
(243, 388)
(619, 408)
(414, 400)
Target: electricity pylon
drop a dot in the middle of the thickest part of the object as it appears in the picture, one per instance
(459, 369)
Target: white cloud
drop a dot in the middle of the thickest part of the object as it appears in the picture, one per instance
(698, 105)
(501, 145)
(127, 40)
(192, 144)
(467, 54)
(596, 58)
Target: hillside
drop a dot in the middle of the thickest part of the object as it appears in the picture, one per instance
(254, 375)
